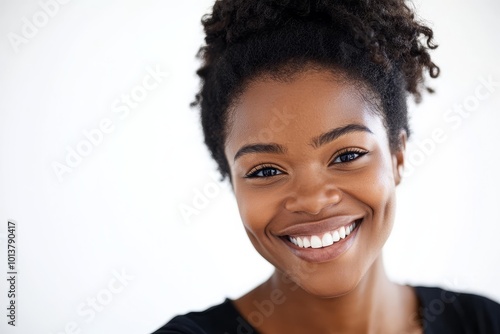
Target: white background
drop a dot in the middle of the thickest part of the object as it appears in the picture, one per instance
(119, 209)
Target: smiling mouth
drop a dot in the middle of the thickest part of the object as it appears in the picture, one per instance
(323, 240)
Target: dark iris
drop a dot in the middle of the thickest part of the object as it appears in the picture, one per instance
(348, 157)
(267, 172)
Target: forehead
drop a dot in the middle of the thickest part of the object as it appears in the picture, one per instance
(311, 103)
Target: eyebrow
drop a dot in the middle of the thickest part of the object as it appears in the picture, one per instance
(333, 134)
(316, 142)
(260, 148)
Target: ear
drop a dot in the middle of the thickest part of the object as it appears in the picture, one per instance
(398, 158)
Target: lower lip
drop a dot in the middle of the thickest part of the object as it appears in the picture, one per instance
(318, 255)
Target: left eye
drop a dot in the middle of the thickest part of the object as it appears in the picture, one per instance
(348, 156)
(265, 172)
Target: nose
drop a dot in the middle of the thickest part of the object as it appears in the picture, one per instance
(312, 194)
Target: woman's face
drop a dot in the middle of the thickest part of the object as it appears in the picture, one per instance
(310, 161)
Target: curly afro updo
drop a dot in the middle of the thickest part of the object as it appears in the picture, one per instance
(379, 44)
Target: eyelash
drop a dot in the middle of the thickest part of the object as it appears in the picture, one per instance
(256, 170)
(348, 151)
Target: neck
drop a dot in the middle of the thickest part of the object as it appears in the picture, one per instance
(375, 305)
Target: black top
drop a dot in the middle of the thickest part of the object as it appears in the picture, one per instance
(442, 312)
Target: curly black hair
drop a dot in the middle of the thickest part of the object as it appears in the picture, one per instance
(379, 44)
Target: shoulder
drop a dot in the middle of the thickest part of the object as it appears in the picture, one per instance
(219, 319)
(445, 311)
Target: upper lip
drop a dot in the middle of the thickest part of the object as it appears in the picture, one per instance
(318, 227)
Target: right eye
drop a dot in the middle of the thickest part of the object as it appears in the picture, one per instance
(263, 172)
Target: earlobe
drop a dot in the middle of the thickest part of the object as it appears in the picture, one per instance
(398, 158)
(400, 171)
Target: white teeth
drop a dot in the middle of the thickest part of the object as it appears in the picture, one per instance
(300, 243)
(327, 239)
(342, 232)
(316, 242)
(307, 244)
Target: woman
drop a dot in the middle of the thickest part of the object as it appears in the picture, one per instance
(303, 107)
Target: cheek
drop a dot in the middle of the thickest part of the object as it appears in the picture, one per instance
(256, 207)
(374, 186)
(376, 190)
(382, 194)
